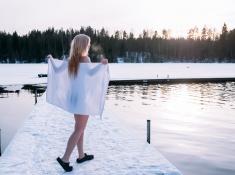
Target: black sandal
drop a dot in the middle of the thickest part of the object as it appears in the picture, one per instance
(64, 165)
(85, 158)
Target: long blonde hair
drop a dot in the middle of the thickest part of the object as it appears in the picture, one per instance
(79, 45)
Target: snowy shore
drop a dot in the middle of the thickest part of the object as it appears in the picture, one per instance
(28, 73)
(117, 150)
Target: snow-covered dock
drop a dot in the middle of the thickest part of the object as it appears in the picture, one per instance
(117, 150)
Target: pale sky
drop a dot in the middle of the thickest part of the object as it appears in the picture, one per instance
(130, 15)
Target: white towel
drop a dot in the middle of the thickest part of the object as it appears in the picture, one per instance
(84, 94)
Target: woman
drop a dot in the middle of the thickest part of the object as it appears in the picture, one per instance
(79, 49)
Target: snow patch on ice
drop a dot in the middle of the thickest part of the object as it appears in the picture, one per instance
(28, 73)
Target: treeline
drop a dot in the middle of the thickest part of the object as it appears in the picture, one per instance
(199, 46)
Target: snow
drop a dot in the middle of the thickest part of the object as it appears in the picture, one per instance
(171, 70)
(28, 73)
(13, 74)
(117, 149)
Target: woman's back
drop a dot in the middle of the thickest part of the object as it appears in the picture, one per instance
(85, 59)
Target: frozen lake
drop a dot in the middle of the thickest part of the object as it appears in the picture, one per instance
(193, 125)
(28, 73)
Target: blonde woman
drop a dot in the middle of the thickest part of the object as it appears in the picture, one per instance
(79, 49)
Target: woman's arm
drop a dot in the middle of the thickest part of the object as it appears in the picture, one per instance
(103, 60)
(96, 68)
(57, 67)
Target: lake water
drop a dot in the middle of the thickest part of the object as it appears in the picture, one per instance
(15, 105)
(192, 125)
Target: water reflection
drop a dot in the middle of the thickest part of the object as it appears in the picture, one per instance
(193, 125)
(16, 102)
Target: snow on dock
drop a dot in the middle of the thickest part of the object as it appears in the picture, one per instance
(28, 73)
(117, 150)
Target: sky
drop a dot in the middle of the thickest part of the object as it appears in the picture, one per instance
(178, 16)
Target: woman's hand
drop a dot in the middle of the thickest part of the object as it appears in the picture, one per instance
(104, 61)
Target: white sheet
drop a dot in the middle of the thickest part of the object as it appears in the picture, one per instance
(83, 95)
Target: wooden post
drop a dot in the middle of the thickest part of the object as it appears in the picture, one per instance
(168, 76)
(148, 131)
(36, 95)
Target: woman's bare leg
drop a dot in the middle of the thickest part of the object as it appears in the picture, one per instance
(80, 125)
(80, 146)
